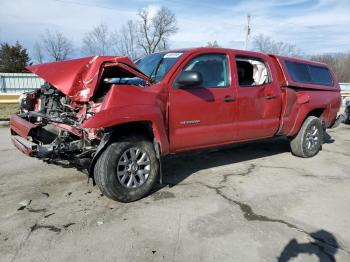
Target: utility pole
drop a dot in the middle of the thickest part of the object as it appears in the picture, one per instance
(248, 32)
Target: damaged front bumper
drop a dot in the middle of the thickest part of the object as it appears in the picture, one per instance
(20, 130)
(68, 144)
(20, 136)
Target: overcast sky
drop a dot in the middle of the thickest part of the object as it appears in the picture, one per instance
(315, 26)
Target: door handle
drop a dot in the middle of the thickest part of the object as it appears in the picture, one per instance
(270, 97)
(228, 99)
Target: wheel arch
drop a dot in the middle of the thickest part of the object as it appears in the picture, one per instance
(124, 117)
(318, 112)
(145, 128)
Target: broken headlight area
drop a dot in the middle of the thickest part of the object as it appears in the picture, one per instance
(48, 103)
(51, 125)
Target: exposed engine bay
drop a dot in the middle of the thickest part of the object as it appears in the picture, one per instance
(58, 135)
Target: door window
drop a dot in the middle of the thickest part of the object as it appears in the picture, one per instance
(213, 69)
(252, 71)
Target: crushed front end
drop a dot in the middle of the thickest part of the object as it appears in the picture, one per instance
(48, 127)
(49, 124)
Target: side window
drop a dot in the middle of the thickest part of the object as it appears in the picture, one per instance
(213, 69)
(320, 75)
(309, 74)
(299, 72)
(252, 71)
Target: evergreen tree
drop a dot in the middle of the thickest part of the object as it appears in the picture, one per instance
(13, 59)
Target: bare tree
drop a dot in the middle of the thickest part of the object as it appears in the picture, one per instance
(339, 63)
(38, 53)
(265, 44)
(57, 46)
(126, 40)
(213, 44)
(98, 41)
(155, 31)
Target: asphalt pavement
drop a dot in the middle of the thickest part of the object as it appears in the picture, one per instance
(251, 202)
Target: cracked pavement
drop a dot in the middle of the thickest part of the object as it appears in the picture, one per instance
(251, 202)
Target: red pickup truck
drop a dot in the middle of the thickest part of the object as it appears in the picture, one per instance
(116, 118)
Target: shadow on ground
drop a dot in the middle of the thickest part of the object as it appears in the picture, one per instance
(177, 168)
(324, 246)
(327, 138)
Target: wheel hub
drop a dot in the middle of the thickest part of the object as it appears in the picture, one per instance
(133, 167)
(312, 138)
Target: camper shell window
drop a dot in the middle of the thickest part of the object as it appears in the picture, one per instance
(309, 74)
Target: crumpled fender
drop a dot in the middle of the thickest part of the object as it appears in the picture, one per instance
(135, 113)
(301, 114)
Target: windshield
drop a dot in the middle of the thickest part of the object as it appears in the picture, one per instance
(155, 66)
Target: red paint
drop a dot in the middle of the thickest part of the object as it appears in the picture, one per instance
(278, 107)
(24, 149)
(78, 78)
(20, 126)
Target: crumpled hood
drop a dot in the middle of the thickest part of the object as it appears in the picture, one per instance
(78, 78)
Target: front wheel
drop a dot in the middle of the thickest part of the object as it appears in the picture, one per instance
(308, 142)
(127, 170)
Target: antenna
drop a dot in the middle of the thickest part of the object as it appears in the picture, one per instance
(248, 32)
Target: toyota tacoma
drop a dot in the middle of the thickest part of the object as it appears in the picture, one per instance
(115, 118)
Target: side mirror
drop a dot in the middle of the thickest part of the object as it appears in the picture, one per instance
(189, 79)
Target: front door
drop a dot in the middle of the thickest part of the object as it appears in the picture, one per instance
(203, 115)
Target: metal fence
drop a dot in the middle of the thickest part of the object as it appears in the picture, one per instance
(19, 82)
(344, 86)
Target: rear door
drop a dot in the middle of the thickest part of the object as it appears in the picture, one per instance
(204, 115)
(258, 96)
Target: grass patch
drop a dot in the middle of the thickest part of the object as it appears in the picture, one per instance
(6, 110)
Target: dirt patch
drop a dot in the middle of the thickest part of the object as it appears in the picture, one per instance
(163, 195)
(6, 110)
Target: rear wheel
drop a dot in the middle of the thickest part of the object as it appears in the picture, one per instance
(308, 142)
(127, 170)
(347, 114)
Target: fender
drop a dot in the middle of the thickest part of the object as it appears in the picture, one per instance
(302, 113)
(328, 102)
(297, 106)
(133, 113)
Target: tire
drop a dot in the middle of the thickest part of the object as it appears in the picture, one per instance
(113, 170)
(308, 142)
(347, 114)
